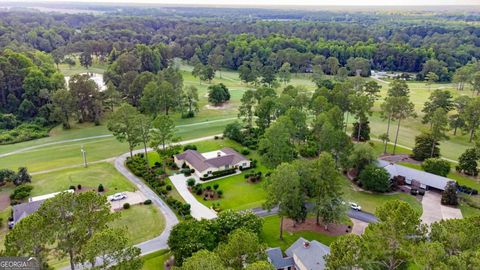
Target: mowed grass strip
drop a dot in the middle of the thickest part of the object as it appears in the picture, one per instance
(95, 174)
(69, 154)
(156, 260)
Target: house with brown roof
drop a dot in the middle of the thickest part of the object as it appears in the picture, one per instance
(205, 164)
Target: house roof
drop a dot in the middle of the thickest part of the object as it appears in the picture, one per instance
(194, 158)
(22, 210)
(48, 196)
(425, 178)
(311, 254)
(227, 156)
(276, 258)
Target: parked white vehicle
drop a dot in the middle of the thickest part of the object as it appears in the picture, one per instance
(118, 196)
(355, 206)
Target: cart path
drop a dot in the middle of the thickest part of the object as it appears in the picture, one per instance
(26, 149)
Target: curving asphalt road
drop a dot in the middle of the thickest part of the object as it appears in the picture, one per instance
(159, 242)
(360, 215)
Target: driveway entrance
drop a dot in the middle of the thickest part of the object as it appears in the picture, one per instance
(197, 209)
(434, 211)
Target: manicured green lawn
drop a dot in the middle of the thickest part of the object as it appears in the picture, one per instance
(4, 215)
(370, 201)
(68, 153)
(155, 260)
(468, 211)
(379, 147)
(141, 222)
(238, 194)
(271, 233)
(101, 173)
(97, 67)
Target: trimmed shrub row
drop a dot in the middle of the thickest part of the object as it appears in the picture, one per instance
(467, 190)
(182, 209)
(138, 166)
(217, 174)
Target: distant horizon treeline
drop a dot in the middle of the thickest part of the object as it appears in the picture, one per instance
(392, 43)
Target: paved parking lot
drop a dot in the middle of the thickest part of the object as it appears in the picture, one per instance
(434, 211)
(133, 198)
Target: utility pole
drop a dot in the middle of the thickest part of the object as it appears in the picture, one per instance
(84, 154)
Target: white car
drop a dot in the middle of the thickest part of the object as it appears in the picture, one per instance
(355, 206)
(118, 196)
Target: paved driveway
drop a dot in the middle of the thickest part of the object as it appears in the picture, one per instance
(358, 226)
(197, 210)
(434, 211)
(133, 198)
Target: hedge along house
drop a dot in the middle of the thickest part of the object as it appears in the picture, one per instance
(415, 177)
(205, 164)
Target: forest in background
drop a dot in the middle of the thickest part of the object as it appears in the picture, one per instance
(264, 46)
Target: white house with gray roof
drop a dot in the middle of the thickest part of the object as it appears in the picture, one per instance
(206, 163)
(301, 255)
(426, 180)
(22, 210)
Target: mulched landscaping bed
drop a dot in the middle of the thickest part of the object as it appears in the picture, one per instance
(4, 201)
(311, 225)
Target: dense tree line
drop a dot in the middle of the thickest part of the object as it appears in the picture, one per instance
(385, 44)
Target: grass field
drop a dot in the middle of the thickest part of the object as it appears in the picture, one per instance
(155, 260)
(101, 173)
(4, 215)
(370, 201)
(468, 211)
(141, 222)
(54, 152)
(271, 232)
(238, 194)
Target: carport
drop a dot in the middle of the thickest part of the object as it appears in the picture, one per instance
(427, 181)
